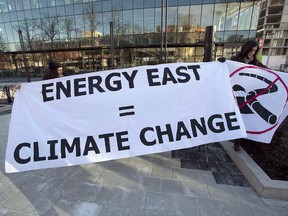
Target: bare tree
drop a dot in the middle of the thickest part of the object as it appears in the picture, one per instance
(28, 31)
(117, 26)
(183, 22)
(3, 48)
(92, 21)
(69, 28)
(49, 27)
(3, 44)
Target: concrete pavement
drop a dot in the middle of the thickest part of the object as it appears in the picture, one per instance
(150, 185)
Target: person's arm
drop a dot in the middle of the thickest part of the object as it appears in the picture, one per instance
(259, 64)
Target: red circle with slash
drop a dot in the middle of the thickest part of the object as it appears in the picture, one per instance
(278, 79)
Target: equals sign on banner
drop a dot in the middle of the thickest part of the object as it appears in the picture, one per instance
(126, 110)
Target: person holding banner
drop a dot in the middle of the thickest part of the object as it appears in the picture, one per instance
(247, 55)
(54, 70)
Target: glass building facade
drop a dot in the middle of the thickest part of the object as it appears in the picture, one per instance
(85, 35)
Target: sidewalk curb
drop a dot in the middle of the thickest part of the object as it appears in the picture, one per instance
(258, 179)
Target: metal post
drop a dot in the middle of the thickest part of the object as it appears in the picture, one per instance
(208, 43)
(23, 55)
(166, 17)
(112, 44)
(161, 50)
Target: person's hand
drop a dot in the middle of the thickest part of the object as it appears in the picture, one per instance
(17, 86)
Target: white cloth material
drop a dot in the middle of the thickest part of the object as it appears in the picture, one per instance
(121, 113)
(262, 96)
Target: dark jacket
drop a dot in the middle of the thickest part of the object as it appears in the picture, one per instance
(255, 62)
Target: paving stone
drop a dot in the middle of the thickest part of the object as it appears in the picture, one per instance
(236, 209)
(211, 166)
(247, 195)
(17, 202)
(241, 180)
(197, 155)
(109, 210)
(67, 208)
(3, 211)
(80, 191)
(161, 172)
(171, 186)
(86, 174)
(220, 192)
(120, 180)
(195, 189)
(142, 170)
(150, 184)
(147, 212)
(14, 213)
(7, 192)
(220, 178)
(110, 195)
(205, 177)
(208, 207)
(116, 166)
(262, 211)
(39, 206)
(189, 164)
(227, 168)
(171, 204)
(134, 198)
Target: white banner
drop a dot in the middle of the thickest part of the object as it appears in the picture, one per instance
(262, 96)
(121, 113)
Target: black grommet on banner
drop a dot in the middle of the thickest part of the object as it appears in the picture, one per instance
(221, 59)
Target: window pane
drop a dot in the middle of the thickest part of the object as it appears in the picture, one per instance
(195, 15)
(138, 21)
(107, 5)
(78, 8)
(127, 22)
(219, 16)
(138, 4)
(69, 10)
(106, 23)
(245, 15)
(183, 19)
(149, 25)
(232, 16)
(98, 6)
(117, 19)
(117, 4)
(255, 15)
(207, 15)
(127, 4)
(184, 2)
(172, 19)
(149, 3)
(158, 19)
(172, 3)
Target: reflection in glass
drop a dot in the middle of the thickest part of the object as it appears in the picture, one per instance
(232, 16)
(219, 16)
(138, 21)
(85, 24)
(207, 15)
(149, 23)
(127, 22)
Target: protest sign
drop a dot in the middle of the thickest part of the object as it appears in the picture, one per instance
(262, 96)
(121, 113)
